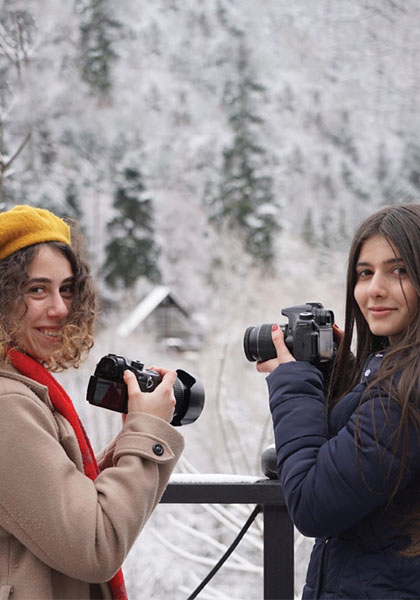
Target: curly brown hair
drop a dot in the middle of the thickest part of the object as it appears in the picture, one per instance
(77, 333)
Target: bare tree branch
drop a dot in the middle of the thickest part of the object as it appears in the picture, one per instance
(5, 166)
(225, 518)
(202, 560)
(15, 44)
(236, 557)
(209, 592)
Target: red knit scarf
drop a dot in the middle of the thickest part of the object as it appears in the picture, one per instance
(62, 402)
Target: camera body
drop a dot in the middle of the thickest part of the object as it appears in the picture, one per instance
(107, 388)
(308, 335)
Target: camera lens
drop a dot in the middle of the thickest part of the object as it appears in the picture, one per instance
(258, 344)
(178, 390)
(107, 388)
(189, 398)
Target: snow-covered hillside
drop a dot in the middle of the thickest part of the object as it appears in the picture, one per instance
(338, 127)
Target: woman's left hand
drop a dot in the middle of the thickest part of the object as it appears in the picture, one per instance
(160, 402)
(283, 354)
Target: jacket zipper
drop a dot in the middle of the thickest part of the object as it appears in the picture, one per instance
(321, 568)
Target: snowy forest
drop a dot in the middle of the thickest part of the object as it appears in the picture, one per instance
(225, 149)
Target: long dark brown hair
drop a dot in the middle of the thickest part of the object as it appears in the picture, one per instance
(400, 225)
(399, 374)
(78, 328)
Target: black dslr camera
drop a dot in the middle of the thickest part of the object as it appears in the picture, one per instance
(308, 335)
(107, 388)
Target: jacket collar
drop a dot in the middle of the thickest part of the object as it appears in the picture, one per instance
(40, 390)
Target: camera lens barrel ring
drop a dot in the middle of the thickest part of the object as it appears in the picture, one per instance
(258, 343)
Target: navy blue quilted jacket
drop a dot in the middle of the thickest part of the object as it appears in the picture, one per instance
(341, 496)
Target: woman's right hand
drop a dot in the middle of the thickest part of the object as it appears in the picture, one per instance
(159, 403)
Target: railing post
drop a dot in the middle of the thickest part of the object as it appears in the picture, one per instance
(278, 529)
(278, 554)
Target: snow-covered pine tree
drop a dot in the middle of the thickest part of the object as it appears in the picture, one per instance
(132, 251)
(245, 200)
(98, 29)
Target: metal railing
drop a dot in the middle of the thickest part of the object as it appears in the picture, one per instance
(278, 544)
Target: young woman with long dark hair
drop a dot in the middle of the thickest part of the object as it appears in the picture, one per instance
(349, 456)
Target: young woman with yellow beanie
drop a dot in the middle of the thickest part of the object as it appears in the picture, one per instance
(67, 518)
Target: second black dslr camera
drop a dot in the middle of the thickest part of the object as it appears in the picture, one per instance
(308, 335)
(107, 388)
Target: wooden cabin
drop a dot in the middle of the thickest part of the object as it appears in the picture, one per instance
(164, 316)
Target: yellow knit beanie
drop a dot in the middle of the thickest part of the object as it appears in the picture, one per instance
(24, 226)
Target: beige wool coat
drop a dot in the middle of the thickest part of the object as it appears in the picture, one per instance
(62, 535)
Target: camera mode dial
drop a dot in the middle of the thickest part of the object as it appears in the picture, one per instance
(306, 316)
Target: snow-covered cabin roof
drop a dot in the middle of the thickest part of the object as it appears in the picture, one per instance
(145, 308)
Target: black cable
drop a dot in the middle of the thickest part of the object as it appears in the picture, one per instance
(228, 552)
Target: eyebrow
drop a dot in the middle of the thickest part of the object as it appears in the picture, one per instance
(390, 261)
(47, 280)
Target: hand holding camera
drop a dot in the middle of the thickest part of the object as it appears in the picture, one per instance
(308, 336)
(159, 403)
(110, 387)
(283, 353)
